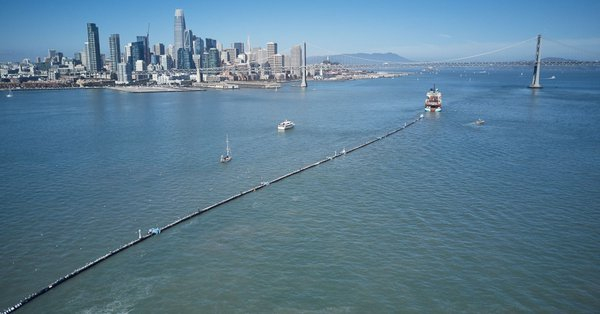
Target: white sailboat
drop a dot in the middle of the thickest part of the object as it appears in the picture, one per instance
(227, 157)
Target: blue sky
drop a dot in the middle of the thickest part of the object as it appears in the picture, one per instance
(419, 30)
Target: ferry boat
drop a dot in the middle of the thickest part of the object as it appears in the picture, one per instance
(286, 124)
(433, 102)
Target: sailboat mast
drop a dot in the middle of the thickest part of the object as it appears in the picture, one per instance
(227, 142)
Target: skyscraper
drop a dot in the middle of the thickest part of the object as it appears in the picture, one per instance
(95, 60)
(210, 43)
(159, 49)
(239, 47)
(179, 31)
(271, 49)
(188, 39)
(145, 48)
(114, 45)
(214, 60)
(296, 60)
(198, 45)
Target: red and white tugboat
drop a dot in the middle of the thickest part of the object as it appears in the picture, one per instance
(433, 102)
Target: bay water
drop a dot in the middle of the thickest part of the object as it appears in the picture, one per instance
(443, 216)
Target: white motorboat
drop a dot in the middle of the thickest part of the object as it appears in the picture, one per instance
(286, 124)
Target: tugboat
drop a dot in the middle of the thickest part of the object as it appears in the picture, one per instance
(433, 102)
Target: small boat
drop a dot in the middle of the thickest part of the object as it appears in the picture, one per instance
(433, 102)
(552, 77)
(479, 122)
(227, 157)
(10, 94)
(286, 124)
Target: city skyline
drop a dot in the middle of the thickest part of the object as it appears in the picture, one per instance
(433, 31)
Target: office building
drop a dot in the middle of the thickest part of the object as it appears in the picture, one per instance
(114, 45)
(271, 49)
(198, 45)
(239, 47)
(159, 49)
(123, 73)
(209, 43)
(179, 31)
(295, 61)
(94, 57)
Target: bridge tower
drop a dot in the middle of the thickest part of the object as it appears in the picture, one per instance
(304, 84)
(535, 82)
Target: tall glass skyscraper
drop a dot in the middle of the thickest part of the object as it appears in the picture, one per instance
(179, 31)
(114, 45)
(95, 60)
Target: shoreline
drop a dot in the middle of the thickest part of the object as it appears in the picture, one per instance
(154, 89)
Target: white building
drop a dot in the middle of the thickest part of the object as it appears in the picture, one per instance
(140, 66)
(295, 61)
(123, 73)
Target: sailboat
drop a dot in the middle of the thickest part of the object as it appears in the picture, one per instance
(227, 157)
(10, 94)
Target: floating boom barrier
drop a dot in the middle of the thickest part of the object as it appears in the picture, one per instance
(155, 231)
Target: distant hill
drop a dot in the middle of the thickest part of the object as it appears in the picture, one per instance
(557, 59)
(359, 58)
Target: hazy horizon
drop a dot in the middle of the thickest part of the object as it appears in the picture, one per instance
(435, 31)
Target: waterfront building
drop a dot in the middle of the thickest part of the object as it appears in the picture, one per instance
(123, 73)
(114, 45)
(85, 61)
(94, 57)
(295, 61)
(179, 31)
(277, 62)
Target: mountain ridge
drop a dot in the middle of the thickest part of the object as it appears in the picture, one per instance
(359, 58)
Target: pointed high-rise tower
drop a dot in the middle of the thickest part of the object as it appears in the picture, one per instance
(535, 82)
(179, 32)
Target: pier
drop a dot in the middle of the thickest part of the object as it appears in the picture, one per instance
(156, 231)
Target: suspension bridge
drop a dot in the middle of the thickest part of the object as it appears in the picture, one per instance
(537, 64)
(347, 62)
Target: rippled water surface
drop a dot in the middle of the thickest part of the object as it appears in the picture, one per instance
(442, 216)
